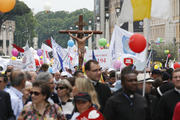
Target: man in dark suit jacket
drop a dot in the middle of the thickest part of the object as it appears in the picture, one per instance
(93, 72)
(6, 112)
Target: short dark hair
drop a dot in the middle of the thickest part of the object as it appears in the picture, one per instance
(5, 79)
(112, 74)
(44, 67)
(8, 70)
(16, 77)
(176, 70)
(165, 76)
(77, 72)
(28, 75)
(88, 64)
(127, 70)
(157, 72)
(45, 89)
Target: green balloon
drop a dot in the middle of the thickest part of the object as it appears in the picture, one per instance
(166, 51)
(102, 42)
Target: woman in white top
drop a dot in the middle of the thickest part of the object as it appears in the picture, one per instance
(64, 89)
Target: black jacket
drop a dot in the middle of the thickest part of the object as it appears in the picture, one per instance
(167, 104)
(103, 93)
(6, 112)
(121, 107)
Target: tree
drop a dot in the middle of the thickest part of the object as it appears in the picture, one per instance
(20, 9)
(50, 23)
(158, 52)
(25, 29)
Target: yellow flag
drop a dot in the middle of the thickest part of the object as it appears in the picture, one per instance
(141, 9)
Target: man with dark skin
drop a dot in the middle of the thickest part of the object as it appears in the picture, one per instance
(126, 105)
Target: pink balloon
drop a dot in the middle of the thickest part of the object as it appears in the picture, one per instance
(117, 64)
(169, 55)
(41, 62)
(14, 52)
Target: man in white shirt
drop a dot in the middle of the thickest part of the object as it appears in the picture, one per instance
(17, 80)
(57, 77)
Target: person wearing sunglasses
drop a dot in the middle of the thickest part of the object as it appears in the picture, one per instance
(64, 89)
(48, 78)
(40, 108)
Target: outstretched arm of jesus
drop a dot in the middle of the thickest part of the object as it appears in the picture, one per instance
(74, 37)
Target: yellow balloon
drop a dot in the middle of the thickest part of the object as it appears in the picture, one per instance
(7, 5)
(156, 67)
(41, 57)
(13, 58)
(107, 45)
(3, 72)
(83, 69)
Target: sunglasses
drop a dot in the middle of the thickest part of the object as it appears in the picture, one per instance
(61, 88)
(35, 93)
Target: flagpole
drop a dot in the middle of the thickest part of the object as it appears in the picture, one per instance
(146, 34)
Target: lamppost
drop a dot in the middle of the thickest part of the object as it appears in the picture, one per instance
(107, 26)
(118, 9)
(70, 36)
(10, 35)
(97, 28)
(77, 27)
(4, 38)
(90, 39)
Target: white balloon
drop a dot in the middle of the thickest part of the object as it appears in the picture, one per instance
(47, 5)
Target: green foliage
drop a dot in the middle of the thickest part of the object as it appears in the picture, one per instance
(20, 9)
(25, 29)
(159, 55)
(50, 23)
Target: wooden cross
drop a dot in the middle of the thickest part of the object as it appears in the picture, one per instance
(80, 38)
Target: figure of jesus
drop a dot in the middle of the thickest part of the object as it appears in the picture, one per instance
(81, 43)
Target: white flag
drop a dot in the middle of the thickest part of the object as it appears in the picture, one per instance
(45, 50)
(28, 59)
(119, 49)
(73, 56)
(59, 55)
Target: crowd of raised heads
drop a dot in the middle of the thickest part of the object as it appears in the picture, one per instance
(90, 94)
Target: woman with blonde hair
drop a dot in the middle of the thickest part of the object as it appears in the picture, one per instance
(85, 85)
(64, 89)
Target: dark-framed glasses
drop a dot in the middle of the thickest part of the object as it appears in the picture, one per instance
(61, 88)
(35, 93)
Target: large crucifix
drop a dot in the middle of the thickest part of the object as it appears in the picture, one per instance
(80, 38)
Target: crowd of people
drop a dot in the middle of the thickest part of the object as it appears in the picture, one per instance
(92, 94)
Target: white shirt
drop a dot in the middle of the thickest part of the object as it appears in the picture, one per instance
(16, 100)
(68, 108)
(75, 115)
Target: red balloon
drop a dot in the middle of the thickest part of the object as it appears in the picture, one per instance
(176, 65)
(37, 62)
(137, 43)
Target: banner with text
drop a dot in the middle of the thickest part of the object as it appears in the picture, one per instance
(102, 56)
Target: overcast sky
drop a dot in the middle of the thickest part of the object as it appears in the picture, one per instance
(58, 5)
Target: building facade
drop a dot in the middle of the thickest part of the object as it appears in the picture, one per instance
(168, 30)
(7, 37)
